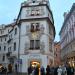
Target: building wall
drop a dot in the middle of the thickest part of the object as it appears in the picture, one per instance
(67, 36)
(57, 53)
(19, 36)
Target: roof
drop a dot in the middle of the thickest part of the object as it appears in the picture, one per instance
(67, 17)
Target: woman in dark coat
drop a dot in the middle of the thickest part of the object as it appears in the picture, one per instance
(42, 70)
(48, 70)
(36, 72)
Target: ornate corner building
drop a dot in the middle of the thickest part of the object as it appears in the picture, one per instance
(29, 40)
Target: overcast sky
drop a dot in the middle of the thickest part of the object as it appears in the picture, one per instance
(9, 10)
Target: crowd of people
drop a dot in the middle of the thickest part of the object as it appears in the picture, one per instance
(7, 70)
(57, 70)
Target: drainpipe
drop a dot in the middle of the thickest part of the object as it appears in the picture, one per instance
(19, 26)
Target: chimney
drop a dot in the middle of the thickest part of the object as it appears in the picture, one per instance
(65, 15)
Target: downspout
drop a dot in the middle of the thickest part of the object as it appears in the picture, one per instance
(19, 26)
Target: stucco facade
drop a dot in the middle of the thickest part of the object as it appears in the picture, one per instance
(57, 54)
(32, 36)
(67, 37)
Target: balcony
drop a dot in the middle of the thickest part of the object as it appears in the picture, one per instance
(38, 29)
(9, 40)
(8, 54)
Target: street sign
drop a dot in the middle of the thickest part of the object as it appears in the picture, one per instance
(19, 61)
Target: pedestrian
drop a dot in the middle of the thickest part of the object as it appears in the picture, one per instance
(68, 68)
(16, 68)
(5, 69)
(52, 70)
(33, 72)
(72, 70)
(55, 70)
(59, 70)
(48, 70)
(64, 71)
(36, 70)
(30, 69)
(42, 70)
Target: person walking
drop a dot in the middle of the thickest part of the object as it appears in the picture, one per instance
(72, 70)
(55, 70)
(64, 71)
(36, 72)
(59, 70)
(16, 68)
(42, 70)
(48, 70)
(30, 69)
(68, 68)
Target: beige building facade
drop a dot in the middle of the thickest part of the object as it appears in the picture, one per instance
(67, 37)
(29, 40)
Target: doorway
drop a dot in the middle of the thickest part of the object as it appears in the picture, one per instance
(35, 63)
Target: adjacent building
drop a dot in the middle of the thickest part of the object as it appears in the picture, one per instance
(29, 40)
(67, 37)
(57, 54)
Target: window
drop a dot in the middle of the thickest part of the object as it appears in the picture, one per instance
(4, 48)
(8, 30)
(10, 49)
(32, 12)
(32, 27)
(37, 26)
(14, 46)
(56, 49)
(15, 31)
(31, 44)
(2, 31)
(0, 48)
(3, 59)
(5, 39)
(1, 39)
(34, 44)
(37, 44)
(35, 11)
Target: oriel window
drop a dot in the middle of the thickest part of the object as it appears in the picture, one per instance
(32, 27)
(37, 27)
(34, 44)
(31, 44)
